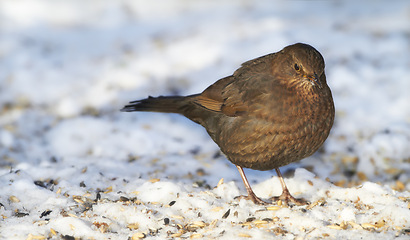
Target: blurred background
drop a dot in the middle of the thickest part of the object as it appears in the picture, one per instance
(67, 67)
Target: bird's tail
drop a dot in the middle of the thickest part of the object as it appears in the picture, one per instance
(172, 104)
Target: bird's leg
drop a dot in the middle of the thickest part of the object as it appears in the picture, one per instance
(286, 196)
(251, 195)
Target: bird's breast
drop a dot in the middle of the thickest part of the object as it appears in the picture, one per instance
(273, 135)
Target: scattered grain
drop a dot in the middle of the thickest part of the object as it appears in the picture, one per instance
(138, 235)
(362, 176)
(154, 180)
(244, 235)
(226, 214)
(196, 235)
(221, 181)
(108, 190)
(368, 226)
(14, 199)
(133, 226)
(273, 208)
(335, 226)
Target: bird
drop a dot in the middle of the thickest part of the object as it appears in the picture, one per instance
(273, 110)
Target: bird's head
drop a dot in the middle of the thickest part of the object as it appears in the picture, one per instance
(304, 64)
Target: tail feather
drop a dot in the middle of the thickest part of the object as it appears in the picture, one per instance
(156, 104)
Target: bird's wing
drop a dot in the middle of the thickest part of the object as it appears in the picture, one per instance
(232, 95)
(211, 98)
(245, 91)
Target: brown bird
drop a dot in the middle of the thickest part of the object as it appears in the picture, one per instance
(273, 110)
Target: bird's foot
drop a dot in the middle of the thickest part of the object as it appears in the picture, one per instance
(286, 197)
(253, 198)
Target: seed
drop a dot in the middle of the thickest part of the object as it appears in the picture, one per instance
(368, 225)
(400, 186)
(213, 223)
(133, 226)
(78, 199)
(354, 225)
(178, 234)
(138, 236)
(250, 219)
(362, 176)
(216, 209)
(124, 199)
(177, 217)
(109, 189)
(334, 226)
(244, 235)
(14, 199)
(200, 224)
(39, 237)
(221, 181)
(380, 223)
(226, 214)
(196, 235)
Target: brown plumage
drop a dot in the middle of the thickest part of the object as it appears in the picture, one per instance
(274, 110)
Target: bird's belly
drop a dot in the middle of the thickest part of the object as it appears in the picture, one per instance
(264, 145)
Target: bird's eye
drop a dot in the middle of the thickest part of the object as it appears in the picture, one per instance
(297, 68)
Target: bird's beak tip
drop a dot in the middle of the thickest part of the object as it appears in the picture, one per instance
(315, 80)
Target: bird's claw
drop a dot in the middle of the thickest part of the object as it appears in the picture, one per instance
(253, 198)
(286, 197)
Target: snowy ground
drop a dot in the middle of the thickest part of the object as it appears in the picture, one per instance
(72, 165)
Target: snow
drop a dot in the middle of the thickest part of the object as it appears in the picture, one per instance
(72, 165)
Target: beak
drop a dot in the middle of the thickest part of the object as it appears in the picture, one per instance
(314, 80)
